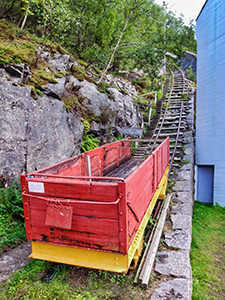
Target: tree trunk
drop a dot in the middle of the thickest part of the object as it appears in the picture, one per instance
(118, 42)
(25, 17)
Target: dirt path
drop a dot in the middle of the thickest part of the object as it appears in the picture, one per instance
(14, 259)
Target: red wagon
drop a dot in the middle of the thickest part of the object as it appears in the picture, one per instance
(82, 211)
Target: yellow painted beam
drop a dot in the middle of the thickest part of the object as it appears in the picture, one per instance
(80, 257)
(140, 232)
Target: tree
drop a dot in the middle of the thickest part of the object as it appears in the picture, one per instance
(119, 40)
(27, 9)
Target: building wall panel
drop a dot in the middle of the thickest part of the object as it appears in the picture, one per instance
(210, 119)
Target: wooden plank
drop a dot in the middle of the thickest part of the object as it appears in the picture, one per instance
(108, 211)
(89, 225)
(152, 248)
(79, 239)
(73, 170)
(143, 140)
(56, 168)
(140, 191)
(125, 169)
(69, 189)
(132, 226)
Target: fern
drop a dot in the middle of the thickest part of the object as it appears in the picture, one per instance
(89, 142)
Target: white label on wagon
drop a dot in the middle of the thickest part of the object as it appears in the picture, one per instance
(36, 187)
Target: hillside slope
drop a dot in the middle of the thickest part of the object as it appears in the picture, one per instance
(49, 103)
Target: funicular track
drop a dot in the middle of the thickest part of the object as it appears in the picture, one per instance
(172, 124)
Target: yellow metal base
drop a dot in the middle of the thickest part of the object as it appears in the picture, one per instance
(88, 258)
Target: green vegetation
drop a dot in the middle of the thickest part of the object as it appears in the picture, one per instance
(60, 74)
(207, 252)
(190, 74)
(16, 46)
(12, 229)
(89, 142)
(70, 102)
(41, 77)
(91, 29)
(45, 280)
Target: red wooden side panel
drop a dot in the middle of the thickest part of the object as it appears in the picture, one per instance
(142, 184)
(114, 155)
(73, 170)
(111, 160)
(132, 226)
(103, 159)
(61, 166)
(74, 238)
(75, 189)
(94, 224)
(140, 189)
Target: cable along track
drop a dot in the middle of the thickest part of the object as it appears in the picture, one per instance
(172, 124)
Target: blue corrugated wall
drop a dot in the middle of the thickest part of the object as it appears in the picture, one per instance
(210, 114)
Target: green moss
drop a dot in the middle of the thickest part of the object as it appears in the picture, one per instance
(60, 74)
(46, 76)
(16, 46)
(143, 83)
(35, 92)
(61, 50)
(40, 78)
(17, 52)
(72, 58)
(53, 47)
(78, 72)
(86, 124)
(97, 70)
(70, 102)
(82, 63)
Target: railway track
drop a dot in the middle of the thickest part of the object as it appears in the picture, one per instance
(172, 120)
(172, 123)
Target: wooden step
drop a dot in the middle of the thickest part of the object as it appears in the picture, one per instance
(170, 134)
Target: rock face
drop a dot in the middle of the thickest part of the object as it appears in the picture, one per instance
(38, 133)
(35, 133)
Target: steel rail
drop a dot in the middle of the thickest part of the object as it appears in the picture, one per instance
(165, 112)
(147, 261)
(179, 126)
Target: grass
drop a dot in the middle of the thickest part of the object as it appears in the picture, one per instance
(207, 252)
(45, 280)
(12, 231)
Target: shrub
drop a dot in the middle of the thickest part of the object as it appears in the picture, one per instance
(190, 74)
(11, 201)
(89, 142)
